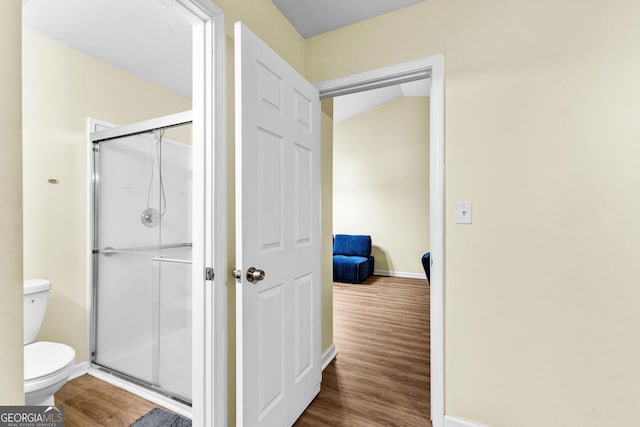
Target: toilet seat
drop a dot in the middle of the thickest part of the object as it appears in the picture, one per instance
(46, 363)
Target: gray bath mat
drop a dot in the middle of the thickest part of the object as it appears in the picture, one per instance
(159, 417)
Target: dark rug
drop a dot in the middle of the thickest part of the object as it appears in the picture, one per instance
(159, 417)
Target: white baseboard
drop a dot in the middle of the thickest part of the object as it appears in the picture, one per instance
(400, 274)
(80, 369)
(450, 421)
(156, 398)
(328, 356)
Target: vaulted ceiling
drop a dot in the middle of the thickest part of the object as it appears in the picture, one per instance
(148, 39)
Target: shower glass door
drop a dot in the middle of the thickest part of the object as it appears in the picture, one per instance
(142, 258)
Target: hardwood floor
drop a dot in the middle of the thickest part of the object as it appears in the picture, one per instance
(90, 402)
(380, 377)
(381, 374)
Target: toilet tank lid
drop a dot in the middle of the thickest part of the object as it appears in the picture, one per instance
(32, 286)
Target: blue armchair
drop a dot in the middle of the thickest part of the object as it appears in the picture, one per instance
(426, 264)
(352, 260)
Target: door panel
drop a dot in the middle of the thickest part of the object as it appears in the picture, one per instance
(303, 179)
(270, 183)
(278, 231)
(303, 326)
(271, 348)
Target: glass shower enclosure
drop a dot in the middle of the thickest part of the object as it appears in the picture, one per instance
(142, 252)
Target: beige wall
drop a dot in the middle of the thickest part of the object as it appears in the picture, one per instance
(231, 232)
(381, 181)
(11, 372)
(542, 134)
(61, 89)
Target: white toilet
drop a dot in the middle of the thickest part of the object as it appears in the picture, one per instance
(47, 365)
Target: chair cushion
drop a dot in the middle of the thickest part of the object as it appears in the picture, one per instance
(349, 260)
(352, 269)
(352, 245)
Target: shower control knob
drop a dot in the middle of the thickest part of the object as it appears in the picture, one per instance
(255, 275)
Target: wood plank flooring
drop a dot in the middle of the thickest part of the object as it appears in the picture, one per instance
(90, 402)
(381, 374)
(380, 377)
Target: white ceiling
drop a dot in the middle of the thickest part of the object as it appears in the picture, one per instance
(149, 39)
(145, 37)
(312, 17)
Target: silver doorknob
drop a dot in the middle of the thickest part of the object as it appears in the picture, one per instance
(255, 275)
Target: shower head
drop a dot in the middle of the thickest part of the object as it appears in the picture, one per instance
(150, 217)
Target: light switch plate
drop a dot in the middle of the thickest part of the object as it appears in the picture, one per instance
(464, 212)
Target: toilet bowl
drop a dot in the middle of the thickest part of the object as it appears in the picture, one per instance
(47, 365)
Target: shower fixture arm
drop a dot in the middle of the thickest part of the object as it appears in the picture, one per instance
(150, 216)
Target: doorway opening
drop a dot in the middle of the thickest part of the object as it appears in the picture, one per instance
(432, 68)
(66, 81)
(381, 173)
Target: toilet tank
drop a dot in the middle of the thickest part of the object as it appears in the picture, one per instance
(36, 294)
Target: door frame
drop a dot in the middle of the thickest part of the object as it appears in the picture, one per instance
(209, 317)
(209, 314)
(433, 67)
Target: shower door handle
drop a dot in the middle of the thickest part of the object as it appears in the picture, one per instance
(255, 275)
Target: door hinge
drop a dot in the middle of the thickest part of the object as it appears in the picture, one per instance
(208, 273)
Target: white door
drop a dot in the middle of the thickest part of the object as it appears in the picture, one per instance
(278, 232)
